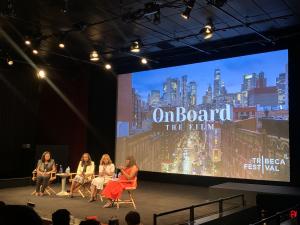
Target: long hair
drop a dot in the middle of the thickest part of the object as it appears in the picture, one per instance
(132, 161)
(103, 157)
(44, 154)
(89, 162)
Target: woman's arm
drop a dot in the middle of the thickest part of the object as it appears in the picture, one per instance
(101, 173)
(132, 173)
(111, 170)
(90, 169)
(38, 172)
(79, 169)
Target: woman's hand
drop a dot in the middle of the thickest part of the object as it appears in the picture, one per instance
(121, 167)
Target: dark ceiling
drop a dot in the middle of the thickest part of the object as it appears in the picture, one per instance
(110, 25)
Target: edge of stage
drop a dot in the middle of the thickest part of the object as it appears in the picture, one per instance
(150, 197)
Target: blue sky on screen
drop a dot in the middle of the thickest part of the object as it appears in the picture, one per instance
(232, 71)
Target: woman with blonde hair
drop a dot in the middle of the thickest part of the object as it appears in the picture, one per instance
(106, 171)
(84, 174)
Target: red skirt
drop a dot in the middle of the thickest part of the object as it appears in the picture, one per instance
(114, 189)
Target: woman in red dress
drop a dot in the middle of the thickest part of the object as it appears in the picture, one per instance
(113, 190)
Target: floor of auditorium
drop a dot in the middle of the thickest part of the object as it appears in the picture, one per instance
(150, 198)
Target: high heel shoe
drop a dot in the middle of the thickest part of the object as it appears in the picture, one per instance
(107, 205)
(92, 200)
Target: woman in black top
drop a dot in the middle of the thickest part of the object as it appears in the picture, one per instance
(45, 167)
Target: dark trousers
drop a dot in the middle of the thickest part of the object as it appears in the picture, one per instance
(42, 181)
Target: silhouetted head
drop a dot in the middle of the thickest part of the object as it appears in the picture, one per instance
(19, 214)
(133, 218)
(61, 217)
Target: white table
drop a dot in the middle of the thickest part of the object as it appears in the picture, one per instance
(63, 191)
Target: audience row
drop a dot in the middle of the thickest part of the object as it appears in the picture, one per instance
(21, 214)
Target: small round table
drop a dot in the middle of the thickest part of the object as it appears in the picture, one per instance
(63, 191)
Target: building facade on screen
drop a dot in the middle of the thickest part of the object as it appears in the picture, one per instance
(225, 118)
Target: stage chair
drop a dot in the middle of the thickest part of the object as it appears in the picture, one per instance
(83, 188)
(48, 189)
(130, 191)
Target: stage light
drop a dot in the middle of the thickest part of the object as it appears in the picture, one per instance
(9, 61)
(208, 30)
(27, 42)
(35, 51)
(94, 56)
(189, 6)
(61, 45)
(135, 46)
(186, 13)
(144, 61)
(107, 66)
(41, 74)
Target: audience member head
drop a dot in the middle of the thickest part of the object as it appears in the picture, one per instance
(19, 214)
(133, 218)
(61, 217)
(89, 222)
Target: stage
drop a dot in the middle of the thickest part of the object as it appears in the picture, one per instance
(150, 198)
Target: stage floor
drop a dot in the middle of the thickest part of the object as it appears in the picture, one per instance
(150, 198)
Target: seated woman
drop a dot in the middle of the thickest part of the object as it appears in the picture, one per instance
(106, 170)
(113, 190)
(45, 167)
(85, 171)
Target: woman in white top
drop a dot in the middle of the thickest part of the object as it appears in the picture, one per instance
(106, 171)
(84, 174)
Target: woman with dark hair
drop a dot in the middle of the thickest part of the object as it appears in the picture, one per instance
(84, 174)
(113, 190)
(45, 167)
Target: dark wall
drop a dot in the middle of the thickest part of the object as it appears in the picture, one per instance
(19, 99)
(57, 123)
(102, 114)
(31, 112)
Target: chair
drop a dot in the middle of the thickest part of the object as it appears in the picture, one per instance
(48, 189)
(83, 188)
(130, 193)
(98, 194)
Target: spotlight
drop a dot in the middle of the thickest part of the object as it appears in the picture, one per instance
(107, 66)
(186, 13)
(27, 42)
(61, 45)
(41, 74)
(35, 51)
(189, 6)
(94, 56)
(65, 8)
(208, 30)
(9, 61)
(135, 46)
(144, 61)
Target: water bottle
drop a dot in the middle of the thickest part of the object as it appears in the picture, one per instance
(68, 170)
(61, 170)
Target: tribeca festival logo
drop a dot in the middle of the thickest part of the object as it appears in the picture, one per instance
(198, 120)
(265, 164)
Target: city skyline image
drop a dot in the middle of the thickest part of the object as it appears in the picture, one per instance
(232, 71)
